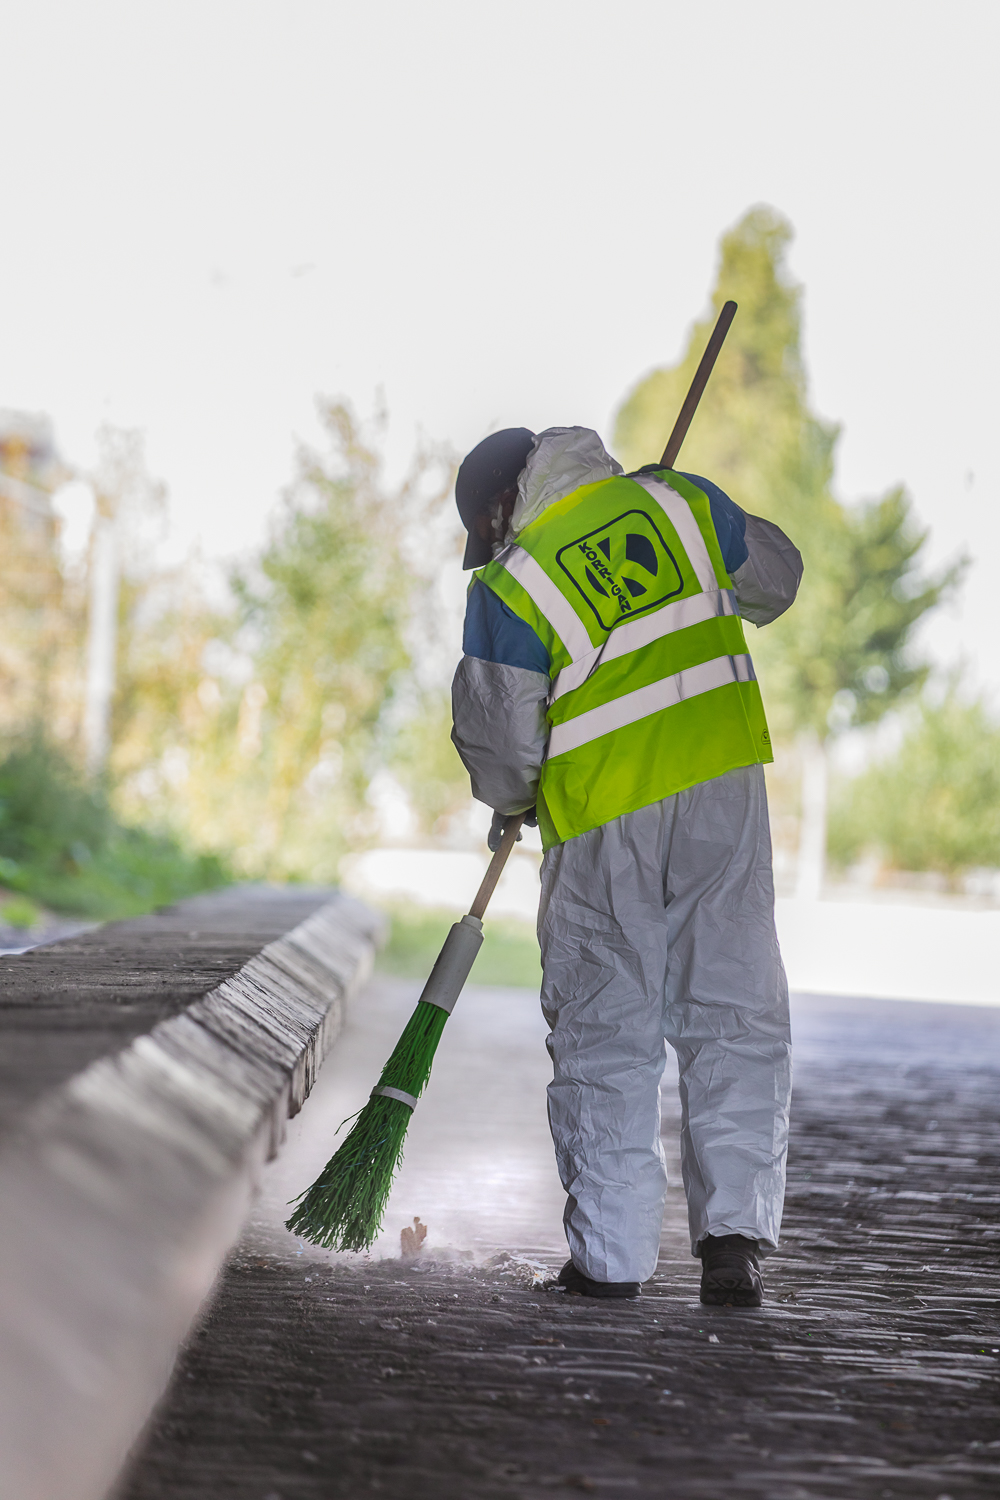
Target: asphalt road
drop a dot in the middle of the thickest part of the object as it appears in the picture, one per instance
(871, 1372)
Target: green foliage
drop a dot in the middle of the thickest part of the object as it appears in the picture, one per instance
(250, 726)
(62, 845)
(426, 763)
(935, 805)
(20, 913)
(843, 654)
(329, 610)
(509, 955)
(259, 733)
(753, 425)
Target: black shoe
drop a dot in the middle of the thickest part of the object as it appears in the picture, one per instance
(730, 1274)
(579, 1285)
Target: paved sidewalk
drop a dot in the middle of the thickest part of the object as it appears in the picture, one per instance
(871, 1372)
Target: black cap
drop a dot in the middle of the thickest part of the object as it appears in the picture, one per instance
(492, 467)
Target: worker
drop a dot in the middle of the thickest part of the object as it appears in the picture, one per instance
(606, 691)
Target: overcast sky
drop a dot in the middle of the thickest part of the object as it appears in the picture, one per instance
(496, 214)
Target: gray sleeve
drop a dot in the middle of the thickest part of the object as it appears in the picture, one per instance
(766, 584)
(500, 731)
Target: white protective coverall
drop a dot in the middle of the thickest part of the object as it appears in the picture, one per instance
(657, 926)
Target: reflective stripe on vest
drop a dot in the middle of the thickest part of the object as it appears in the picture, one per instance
(551, 603)
(642, 632)
(652, 686)
(685, 525)
(632, 634)
(664, 693)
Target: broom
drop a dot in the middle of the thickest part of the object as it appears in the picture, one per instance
(343, 1209)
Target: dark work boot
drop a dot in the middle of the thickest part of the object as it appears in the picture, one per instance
(579, 1285)
(730, 1274)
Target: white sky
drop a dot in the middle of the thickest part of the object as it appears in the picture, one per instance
(498, 214)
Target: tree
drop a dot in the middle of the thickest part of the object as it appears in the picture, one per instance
(844, 655)
(328, 606)
(61, 842)
(935, 803)
(259, 730)
(174, 759)
(39, 624)
(426, 764)
(126, 500)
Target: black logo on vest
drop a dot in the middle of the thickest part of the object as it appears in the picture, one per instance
(622, 568)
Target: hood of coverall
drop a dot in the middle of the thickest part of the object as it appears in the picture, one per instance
(561, 460)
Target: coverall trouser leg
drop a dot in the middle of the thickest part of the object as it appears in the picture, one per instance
(659, 926)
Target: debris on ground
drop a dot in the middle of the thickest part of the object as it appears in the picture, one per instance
(411, 1241)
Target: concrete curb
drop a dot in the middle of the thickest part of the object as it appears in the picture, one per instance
(123, 1189)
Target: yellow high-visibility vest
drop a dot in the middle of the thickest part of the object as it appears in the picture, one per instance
(653, 689)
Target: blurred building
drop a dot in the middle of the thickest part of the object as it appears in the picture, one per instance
(32, 617)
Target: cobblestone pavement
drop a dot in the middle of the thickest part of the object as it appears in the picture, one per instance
(871, 1371)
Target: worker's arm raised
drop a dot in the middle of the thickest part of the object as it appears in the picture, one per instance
(766, 584)
(766, 568)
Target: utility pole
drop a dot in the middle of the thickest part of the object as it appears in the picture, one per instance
(102, 636)
(124, 497)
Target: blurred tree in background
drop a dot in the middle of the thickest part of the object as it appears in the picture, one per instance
(247, 722)
(62, 843)
(327, 609)
(844, 654)
(40, 616)
(934, 804)
(426, 764)
(176, 703)
(259, 729)
(257, 719)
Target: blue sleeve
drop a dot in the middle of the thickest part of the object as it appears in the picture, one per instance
(494, 633)
(729, 521)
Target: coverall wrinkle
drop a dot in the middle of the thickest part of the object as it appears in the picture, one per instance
(658, 927)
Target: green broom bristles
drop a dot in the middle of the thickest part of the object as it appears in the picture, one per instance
(344, 1207)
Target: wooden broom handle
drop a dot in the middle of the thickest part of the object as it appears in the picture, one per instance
(698, 385)
(496, 865)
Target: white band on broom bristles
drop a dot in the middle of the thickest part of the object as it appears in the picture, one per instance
(396, 1094)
